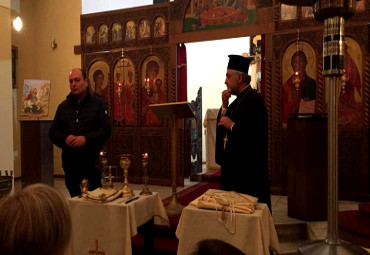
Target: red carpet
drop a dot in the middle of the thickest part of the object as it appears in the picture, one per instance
(354, 225)
(212, 176)
(165, 241)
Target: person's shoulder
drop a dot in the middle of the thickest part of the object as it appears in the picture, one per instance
(255, 93)
(97, 99)
(65, 102)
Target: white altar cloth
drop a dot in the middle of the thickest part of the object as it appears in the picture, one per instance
(209, 124)
(255, 233)
(112, 224)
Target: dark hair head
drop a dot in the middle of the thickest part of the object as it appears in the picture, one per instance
(216, 247)
(84, 76)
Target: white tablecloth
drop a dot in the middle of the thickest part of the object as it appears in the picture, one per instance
(209, 124)
(112, 224)
(255, 233)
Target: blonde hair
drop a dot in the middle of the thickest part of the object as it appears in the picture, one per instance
(36, 220)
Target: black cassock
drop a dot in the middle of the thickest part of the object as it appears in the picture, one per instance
(243, 160)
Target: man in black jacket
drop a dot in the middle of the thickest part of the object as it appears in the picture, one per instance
(81, 126)
(242, 135)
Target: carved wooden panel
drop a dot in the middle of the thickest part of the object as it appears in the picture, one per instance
(133, 43)
(353, 151)
(156, 143)
(121, 29)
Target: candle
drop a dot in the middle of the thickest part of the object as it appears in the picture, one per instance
(145, 155)
(102, 154)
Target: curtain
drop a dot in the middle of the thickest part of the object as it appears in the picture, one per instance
(181, 73)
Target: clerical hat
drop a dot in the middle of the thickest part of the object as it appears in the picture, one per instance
(239, 63)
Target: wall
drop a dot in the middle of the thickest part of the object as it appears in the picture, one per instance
(43, 19)
(6, 142)
(211, 78)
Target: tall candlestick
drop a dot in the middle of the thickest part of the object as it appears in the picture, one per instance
(144, 162)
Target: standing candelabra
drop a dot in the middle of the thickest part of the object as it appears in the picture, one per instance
(144, 162)
(125, 163)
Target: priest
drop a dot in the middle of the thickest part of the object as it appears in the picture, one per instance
(242, 135)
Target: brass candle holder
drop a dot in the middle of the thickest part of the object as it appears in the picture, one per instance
(125, 163)
(144, 162)
(84, 186)
(296, 80)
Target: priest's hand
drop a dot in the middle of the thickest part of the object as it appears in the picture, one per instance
(225, 98)
(226, 122)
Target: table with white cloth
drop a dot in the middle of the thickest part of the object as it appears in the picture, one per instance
(255, 233)
(209, 124)
(111, 225)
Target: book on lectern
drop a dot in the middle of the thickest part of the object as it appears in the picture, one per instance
(168, 110)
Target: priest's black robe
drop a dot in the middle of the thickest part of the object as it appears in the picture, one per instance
(243, 161)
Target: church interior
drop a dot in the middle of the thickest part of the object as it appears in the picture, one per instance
(140, 55)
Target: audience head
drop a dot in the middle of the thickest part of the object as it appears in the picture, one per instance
(35, 220)
(216, 247)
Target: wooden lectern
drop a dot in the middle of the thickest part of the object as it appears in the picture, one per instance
(172, 112)
(307, 141)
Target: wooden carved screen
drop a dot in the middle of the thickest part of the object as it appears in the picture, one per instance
(127, 56)
(353, 136)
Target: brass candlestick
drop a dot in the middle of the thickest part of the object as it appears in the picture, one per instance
(125, 163)
(296, 80)
(144, 162)
(84, 186)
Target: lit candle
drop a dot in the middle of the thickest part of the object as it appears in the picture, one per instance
(147, 86)
(145, 155)
(296, 80)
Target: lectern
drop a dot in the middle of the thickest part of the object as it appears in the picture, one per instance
(173, 112)
(307, 141)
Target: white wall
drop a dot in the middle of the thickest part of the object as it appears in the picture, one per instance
(91, 6)
(6, 109)
(206, 68)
